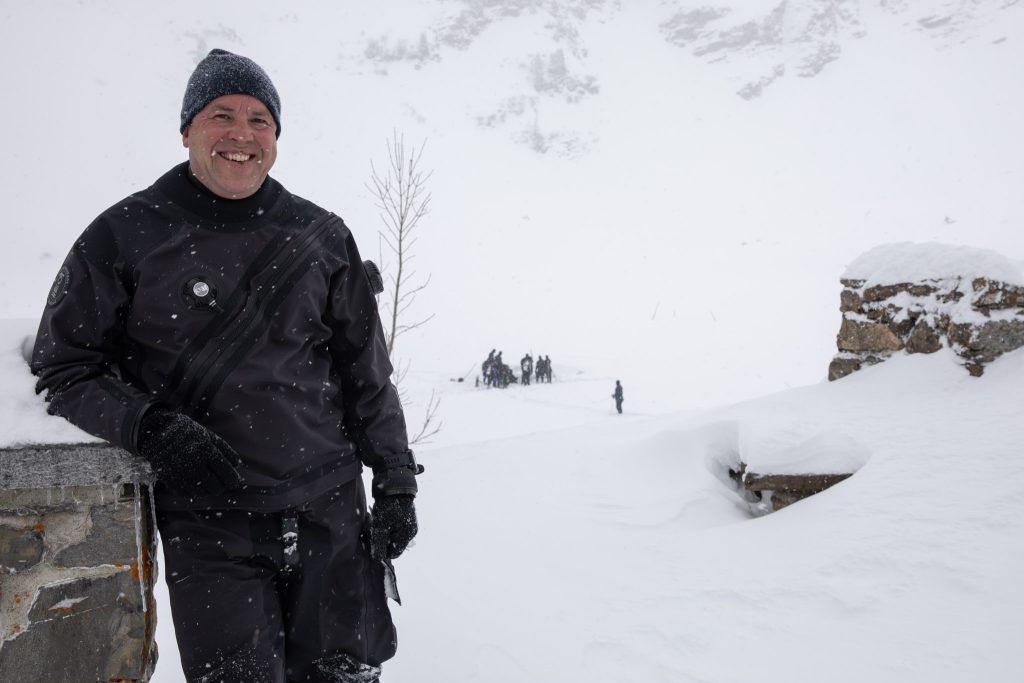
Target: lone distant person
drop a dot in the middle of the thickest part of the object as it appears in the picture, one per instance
(618, 397)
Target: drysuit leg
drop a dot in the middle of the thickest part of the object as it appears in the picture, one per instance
(339, 627)
(241, 615)
(224, 601)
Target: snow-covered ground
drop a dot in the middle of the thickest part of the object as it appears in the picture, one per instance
(664, 193)
(615, 549)
(563, 542)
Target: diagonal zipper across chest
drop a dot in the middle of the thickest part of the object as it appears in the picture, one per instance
(245, 316)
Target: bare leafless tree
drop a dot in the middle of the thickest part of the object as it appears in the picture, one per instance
(403, 199)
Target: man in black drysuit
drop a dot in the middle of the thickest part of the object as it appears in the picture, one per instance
(618, 397)
(225, 330)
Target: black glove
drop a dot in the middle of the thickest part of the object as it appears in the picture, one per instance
(187, 456)
(392, 526)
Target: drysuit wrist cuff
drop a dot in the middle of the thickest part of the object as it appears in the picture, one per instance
(396, 476)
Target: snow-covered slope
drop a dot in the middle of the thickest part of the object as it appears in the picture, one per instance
(616, 550)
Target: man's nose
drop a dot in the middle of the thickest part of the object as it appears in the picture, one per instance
(241, 131)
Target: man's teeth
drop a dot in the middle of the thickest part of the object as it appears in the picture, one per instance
(233, 156)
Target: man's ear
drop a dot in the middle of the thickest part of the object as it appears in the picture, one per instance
(184, 136)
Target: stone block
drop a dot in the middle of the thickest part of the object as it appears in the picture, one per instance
(923, 339)
(984, 343)
(110, 540)
(975, 369)
(992, 294)
(781, 499)
(97, 625)
(960, 334)
(858, 336)
(883, 292)
(849, 301)
(882, 314)
(841, 367)
(62, 465)
(20, 549)
(997, 337)
(807, 484)
(904, 327)
(787, 489)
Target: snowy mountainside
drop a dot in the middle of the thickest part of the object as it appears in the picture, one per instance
(802, 38)
(756, 43)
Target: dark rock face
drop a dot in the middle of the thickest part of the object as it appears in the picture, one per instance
(922, 317)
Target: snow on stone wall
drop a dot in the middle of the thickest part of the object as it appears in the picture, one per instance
(917, 298)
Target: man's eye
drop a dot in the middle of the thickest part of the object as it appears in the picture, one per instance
(260, 122)
(222, 117)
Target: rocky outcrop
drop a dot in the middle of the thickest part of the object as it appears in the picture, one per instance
(77, 565)
(979, 318)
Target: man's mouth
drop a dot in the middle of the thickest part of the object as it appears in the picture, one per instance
(234, 156)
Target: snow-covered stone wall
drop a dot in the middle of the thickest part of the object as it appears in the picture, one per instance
(77, 565)
(917, 298)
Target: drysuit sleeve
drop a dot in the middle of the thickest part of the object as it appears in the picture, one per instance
(80, 339)
(373, 416)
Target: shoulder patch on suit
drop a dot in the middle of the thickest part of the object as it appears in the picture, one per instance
(61, 283)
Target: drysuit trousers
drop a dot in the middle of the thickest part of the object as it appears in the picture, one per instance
(278, 597)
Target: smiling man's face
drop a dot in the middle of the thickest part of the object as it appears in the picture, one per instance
(232, 145)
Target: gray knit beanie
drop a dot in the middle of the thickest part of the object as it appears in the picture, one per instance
(223, 73)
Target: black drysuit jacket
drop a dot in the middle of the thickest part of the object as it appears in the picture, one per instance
(279, 349)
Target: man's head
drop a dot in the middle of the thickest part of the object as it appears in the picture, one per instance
(230, 122)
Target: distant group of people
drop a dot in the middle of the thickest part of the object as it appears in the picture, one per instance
(496, 373)
(542, 370)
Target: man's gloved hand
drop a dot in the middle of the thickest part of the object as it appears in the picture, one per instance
(392, 526)
(187, 456)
